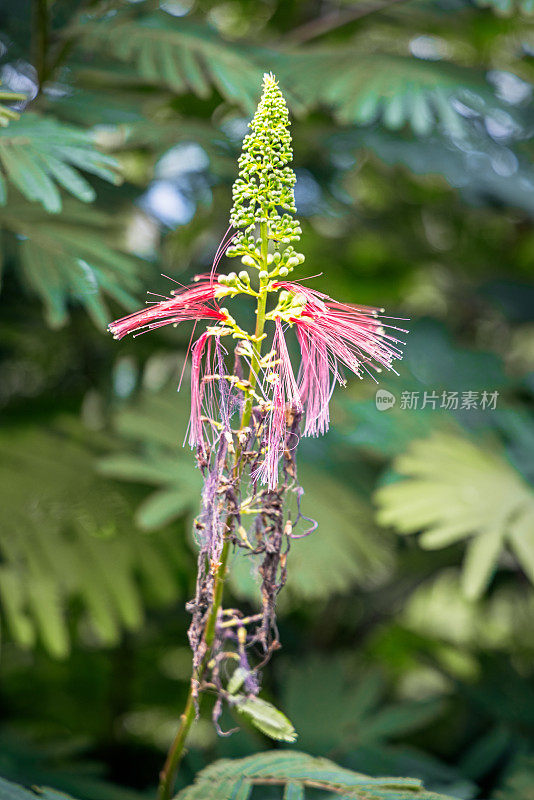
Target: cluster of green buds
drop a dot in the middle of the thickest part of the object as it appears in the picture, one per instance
(289, 307)
(276, 265)
(263, 195)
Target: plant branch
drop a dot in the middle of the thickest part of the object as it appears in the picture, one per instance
(337, 19)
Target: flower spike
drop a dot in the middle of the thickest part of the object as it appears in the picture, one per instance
(270, 397)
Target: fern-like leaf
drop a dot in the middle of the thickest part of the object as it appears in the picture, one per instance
(39, 153)
(334, 710)
(12, 791)
(236, 779)
(159, 461)
(63, 763)
(394, 89)
(456, 490)
(183, 55)
(67, 534)
(71, 259)
(439, 609)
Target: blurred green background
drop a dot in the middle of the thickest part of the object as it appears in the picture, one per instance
(407, 622)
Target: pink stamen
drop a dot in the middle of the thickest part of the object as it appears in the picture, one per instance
(331, 333)
(187, 303)
(285, 369)
(221, 250)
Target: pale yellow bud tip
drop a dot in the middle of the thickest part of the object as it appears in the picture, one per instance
(269, 80)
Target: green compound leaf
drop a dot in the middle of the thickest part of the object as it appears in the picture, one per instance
(161, 462)
(396, 90)
(456, 490)
(12, 791)
(75, 779)
(182, 55)
(334, 708)
(237, 680)
(67, 534)
(38, 154)
(234, 778)
(266, 718)
(438, 608)
(294, 791)
(70, 258)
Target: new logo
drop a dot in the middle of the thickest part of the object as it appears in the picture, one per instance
(384, 400)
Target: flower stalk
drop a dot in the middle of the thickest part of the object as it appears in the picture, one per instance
(250, 471)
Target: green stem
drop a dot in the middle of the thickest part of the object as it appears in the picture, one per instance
(174, 756)
(258, 334)
(177, 749)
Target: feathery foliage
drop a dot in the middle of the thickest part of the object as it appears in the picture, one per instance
(457, 490)
(320, 695)
(36, 151)
(290, 769)
(508, 7)
(181, 54)
(72, 540)
(296, 772)
(70, 259)
(393, 89)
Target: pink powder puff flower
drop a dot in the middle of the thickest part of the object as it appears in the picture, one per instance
(314, 382)
(212, 398)
(201, 389)
(286, 397)
(275, 425)
(290, 390)
(332, 333)
(186, 303)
